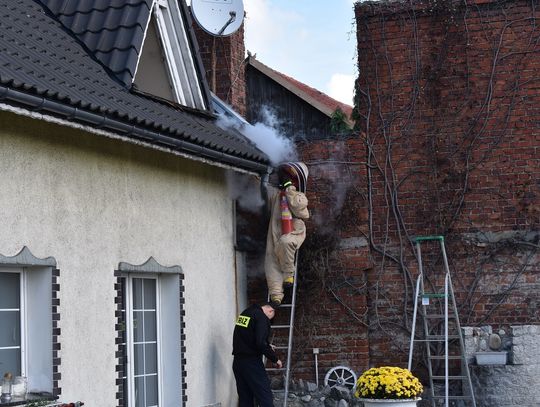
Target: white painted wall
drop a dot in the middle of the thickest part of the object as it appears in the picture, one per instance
(92, 202)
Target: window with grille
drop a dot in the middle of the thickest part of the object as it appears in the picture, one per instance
(26, 325)
(150, 335)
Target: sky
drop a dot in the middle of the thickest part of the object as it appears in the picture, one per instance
(312, 41)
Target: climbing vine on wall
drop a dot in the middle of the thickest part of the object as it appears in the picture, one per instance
(443, 87)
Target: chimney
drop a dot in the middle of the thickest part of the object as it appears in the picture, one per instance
(224, 64)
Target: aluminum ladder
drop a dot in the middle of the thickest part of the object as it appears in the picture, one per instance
(290, 328)
(434, 309)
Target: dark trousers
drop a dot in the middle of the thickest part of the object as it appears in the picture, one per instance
(252, 382)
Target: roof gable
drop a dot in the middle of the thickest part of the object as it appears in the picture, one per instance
(115, 32)
(312, 96)
(43, 68)
(152, 76)
(167, 34)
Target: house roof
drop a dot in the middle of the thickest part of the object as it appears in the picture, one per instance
(44, 67)
(113, 30)
(314, 97)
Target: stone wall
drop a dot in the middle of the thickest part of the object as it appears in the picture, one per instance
(514, 384)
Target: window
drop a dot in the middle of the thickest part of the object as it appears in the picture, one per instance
(142, 346)
(167, 43)
(10, 322)
(151, 331)
(26, 341)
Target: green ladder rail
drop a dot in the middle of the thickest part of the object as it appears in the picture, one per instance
(447, 295)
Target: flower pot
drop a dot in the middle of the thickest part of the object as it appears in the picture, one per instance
(490, 358)
(389, 402)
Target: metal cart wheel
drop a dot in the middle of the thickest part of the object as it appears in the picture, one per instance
(340, 376)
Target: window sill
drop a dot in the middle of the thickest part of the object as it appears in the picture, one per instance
(30, 398)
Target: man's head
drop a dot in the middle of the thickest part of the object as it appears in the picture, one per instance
(294, 173)
(269, 309)
(285, 178)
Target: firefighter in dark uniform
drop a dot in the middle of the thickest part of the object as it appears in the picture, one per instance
(250, 343)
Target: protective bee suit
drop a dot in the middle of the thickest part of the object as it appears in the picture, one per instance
(281, 248)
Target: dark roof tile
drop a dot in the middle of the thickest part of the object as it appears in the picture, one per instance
(41, 59)
(105, 28)
(109, 19)
(88, 6)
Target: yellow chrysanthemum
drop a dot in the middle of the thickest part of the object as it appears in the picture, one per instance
(388, 382)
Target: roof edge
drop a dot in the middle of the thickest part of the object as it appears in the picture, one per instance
(378, 8)
(293, 88)
(196, 53)
(129, 131)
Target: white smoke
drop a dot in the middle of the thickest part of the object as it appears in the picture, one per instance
(245, 189)
(337, 171)
(265, 135)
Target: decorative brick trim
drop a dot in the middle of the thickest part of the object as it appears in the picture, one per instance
(182, 339)
(121, 353)
(56, 345)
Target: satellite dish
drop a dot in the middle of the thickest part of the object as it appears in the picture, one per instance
(218, 17)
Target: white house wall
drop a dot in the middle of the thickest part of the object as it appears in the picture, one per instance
(91, 203)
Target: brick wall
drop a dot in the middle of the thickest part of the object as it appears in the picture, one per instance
(223, 60)
(331, 312)
(447, 143)
(448, 107)
(332, 293)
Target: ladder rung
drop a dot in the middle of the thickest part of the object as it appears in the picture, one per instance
(430, 340)
(283, 325)
(433, 295)
(441, 337)
(453, 397)
(442, 357)
(437, 313)
(419, 239)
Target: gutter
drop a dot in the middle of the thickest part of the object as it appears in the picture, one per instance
(130, 132)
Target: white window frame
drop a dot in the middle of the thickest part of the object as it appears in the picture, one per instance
(35, 333)
(22, 316)
(178, 54)
(130, 340)
(169, 324)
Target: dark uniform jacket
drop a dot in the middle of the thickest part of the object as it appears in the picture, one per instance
(250, 338)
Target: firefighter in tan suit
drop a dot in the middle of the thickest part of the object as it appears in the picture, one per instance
(281, 245)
